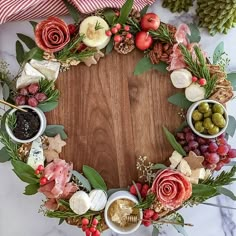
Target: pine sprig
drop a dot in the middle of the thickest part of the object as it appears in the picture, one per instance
(10, 146)
(11, 120)
(48, 87)
(147, 202)
(162, 34)
(199, 67)
(98, 26)
(134, 26)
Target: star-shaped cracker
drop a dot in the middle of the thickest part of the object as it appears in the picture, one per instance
(50, 155)
(56, 143)
(194, 160)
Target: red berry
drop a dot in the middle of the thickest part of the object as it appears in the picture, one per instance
(147, 223)
(20, 100)
(41, 97)
(117, 13)
(202, 81)
(147, 214)
(87, 232)
(108, 33)
(37, 172)
(114, 30)
(23, 91)
(127, 28)
(155, 216)
(95, 221)
(43, 181)
(194, 79)
(133, 189)
(40, 168)
(92, 229)
(33, 102)
(223, 150)
(129, 36)
(118, 26)
(97, 233)
(84, 227)
(213, 158)
(72, 28)
(145, 186)
(85, 221)
(117, 38)
(33, 88)
(232, 153)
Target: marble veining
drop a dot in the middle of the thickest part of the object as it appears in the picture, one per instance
(19, 213)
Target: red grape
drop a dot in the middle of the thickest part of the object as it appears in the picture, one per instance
(204, 148)
(40, 97)
(213, 147)
(33, 102)
(182, 142)
(211, 166)
(20, 100)
(187, 129)
(186, 149)
(201, 140)
(180, 136)
(219, 165)
(193, 145)
(226, 160)
(223, 150)
(23, 91)
(232, 153)
(221, 141)
(189, 137)
(213, 158)
(33, 88)
(197, 152)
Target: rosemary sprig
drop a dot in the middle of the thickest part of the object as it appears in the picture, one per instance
(10, 146)
(162, 34)
(84, 54)
(98, 26)
(134, 26)
(11, 121)
(48, 87)
(147, 202)
(199, 67)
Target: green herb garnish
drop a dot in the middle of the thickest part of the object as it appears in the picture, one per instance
(11, 121)
(98, 26)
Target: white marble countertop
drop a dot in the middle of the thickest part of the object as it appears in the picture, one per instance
(19, 213)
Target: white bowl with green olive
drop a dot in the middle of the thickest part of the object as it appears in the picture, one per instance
(207, 118)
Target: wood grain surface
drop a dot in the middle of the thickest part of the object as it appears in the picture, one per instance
(112, 116)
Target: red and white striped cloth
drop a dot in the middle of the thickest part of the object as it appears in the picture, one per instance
(15, 10)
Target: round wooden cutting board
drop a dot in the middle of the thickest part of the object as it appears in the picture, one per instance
(112, 117)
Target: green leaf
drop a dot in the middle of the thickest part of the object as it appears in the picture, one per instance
(29, 42)
(171, 138)
(94, 178)
(195, 36)
(110, 46)
(203, 190)
(35, 53)
(159, 167)
(144, 10)
(109, 16)
(19, 52)
(23, 167)
(161, 66)
(226, 192)
(180, 100)
(232, 78)
(25, 177)
(61, 221)
(53, 130)
(124, 11)
(231, 126)
(31, 189)
(155, 231)
(5, 91)
(143, 65)
(180, 229)
(48, 106)
(82, 180)
(218, 52)
(64, 203)
(4, 156)
(114, 190)
(33, 23)
(72, 11)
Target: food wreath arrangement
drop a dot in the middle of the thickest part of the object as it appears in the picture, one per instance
(200, 149)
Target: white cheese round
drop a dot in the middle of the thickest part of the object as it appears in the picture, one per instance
(181, 78)
(98, 199)
(195, 92)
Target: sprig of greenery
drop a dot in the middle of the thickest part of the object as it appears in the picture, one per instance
(11, 121)
(199, 67)
(162, 34)
(134, 26)
(11, 147)
(48, 87)
(85, 54)
(147, 202)
(98, 26)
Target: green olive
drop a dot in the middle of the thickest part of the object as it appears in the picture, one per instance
(203, 107)
(208, 113)
(218, 119)
(197, 115)
(217, 108)
(199, 126)
(214, 130)
(207, 123)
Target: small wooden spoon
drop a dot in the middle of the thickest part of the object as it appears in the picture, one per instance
(13, 106)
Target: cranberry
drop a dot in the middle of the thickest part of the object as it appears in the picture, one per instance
(33, 102)
(41, 97)
(33, 88)
(20, 100)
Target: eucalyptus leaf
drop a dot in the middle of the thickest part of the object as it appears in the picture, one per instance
(5, 91)
(31, 189)
(142, 66)
(48, 106)
(161, 66)
(114, 190)
(72, 11)
(110, 46)
(155, 231)
(226, 192)
(232, 78)
(180, 100)
(124, 11)
(82, 180)
(94, 178)
(218, 52)
(144, 10)
(171, 138)
(180, 229)
(159, 167)
(195, 36)
(35, 53)
(33, 23)
(53, 130)
(203, 190)
(4, 156)
(29, 42)
(109, 16)
(230, 130)
(19, 52)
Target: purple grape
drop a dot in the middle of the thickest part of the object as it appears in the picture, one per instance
(187, 130)
(180, 136)
(204, 148)
(213, 147)
(213, 158)
(201, 140)
(193, 145)
(189, 137)
(182, 142)
(197, 152)
(186, 149)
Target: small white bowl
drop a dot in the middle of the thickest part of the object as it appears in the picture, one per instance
(121, 230)
(43, 123)
(190, 122)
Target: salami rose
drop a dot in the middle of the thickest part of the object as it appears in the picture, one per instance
(171, 188)
(52, 35)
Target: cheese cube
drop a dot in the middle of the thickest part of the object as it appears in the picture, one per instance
(184, 168)
(175, 159)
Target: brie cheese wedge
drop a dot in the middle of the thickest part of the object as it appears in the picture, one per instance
(181, 78)
(195, 92)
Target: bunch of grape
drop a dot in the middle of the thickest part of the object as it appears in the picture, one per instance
(30, 95)
(217, 152)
